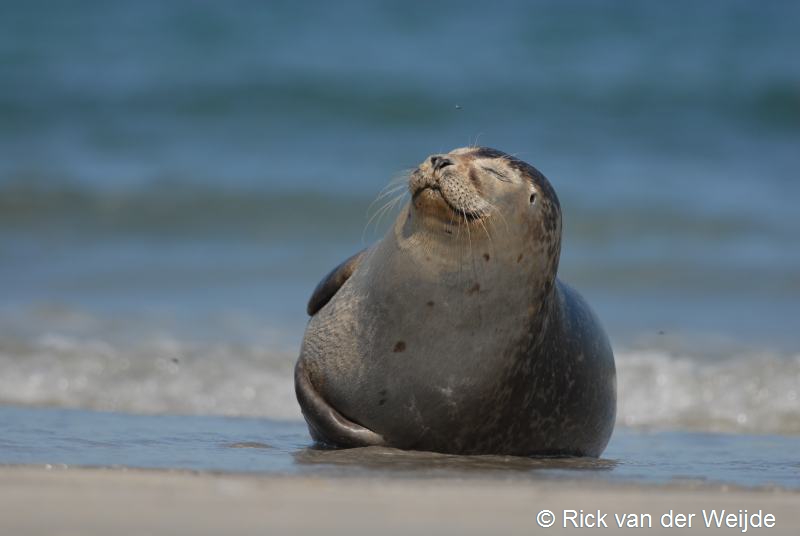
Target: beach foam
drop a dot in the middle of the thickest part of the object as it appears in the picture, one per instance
(162, 375)
(753, 391)
(747, 392)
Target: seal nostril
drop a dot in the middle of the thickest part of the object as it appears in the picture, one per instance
(439, 162)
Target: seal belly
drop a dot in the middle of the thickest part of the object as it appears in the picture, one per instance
(406, 360)
(422, 368)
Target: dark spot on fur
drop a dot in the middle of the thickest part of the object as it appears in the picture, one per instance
(382, 401)
(382, 392)
(519, 258)
(400, 347)
(486, 256)
(547, 286)
(475, 288)
(430, 304)
(550, 221)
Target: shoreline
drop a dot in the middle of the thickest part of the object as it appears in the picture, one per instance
(88, 501)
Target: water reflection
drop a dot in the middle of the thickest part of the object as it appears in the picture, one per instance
(415, 463)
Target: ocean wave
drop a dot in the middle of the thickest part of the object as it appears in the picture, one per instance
(752, 392)
(181, 207)
(174, 208)
(162, 375)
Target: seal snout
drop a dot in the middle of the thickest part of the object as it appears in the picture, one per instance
(441, 187)
(421, 179)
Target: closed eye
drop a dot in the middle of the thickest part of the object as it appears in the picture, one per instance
(499, 174)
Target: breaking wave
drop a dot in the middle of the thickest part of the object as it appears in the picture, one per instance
(750, 392)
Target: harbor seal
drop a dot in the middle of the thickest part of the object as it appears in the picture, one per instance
(452, 333)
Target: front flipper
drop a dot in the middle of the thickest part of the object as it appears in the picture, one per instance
(331, 283)
(328, 426)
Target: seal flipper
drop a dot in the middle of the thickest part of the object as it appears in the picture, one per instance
(331, 283)
(326, 425)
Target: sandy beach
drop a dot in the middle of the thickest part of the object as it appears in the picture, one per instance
(39, 501)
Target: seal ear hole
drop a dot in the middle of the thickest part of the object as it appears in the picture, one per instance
(533, 198)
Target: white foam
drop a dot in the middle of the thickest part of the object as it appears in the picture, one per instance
(755, 391)
(749, 392)
(164, 375)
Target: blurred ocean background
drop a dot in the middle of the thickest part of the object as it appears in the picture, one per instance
(175, 178)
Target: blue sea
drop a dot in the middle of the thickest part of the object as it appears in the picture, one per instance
(176, 177)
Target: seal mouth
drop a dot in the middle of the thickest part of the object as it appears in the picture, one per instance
(326, 424)
(435, 190)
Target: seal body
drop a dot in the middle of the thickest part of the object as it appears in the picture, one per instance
(452, 333)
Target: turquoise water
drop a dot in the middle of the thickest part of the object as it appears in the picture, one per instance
(175, 178)
(171, 154)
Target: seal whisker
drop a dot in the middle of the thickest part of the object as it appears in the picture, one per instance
(391, 188)
(494, 210)
(488, 235)
(452, 221)
(402, 176)
(462, 249)
(387, 191)
(476, 287)
(387, 207)
(455, 216)
(396, 183)
(469, 240)
(474, 145)
(392, 205)
(366, 225)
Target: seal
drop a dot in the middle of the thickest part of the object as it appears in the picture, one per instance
(452, 333)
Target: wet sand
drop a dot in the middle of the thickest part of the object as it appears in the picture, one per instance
(86, 502)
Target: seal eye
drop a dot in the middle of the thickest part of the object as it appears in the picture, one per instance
(533, 198)
(498, 174)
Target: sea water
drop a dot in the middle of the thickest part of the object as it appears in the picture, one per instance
(176, 178)
(74, 438)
